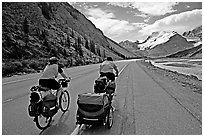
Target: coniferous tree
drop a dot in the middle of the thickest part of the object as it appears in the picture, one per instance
(92, 46)
(87, 44)
(73, 33)
(26, 30)
(104, 53)
(68, 43)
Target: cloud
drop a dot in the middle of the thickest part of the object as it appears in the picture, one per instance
(155, 8)
(120, 4)
(107, 22)
(98, 13)
(150, 8)
(180, 23)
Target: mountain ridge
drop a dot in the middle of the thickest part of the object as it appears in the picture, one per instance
(34, 31)
(165, 43)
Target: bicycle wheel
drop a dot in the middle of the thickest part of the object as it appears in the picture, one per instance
(64, 101)
(42, 122)
(110, 118)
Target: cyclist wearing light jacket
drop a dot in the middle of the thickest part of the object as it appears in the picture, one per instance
(107, 67)
(50, 72)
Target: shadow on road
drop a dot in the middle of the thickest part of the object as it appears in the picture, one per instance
(58, 128)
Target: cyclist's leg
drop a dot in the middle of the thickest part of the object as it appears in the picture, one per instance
(112, 77)
(44, 83)
(59, 92)
(56, 86)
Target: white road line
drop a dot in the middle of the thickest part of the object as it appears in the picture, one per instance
(18, 81)
(8, 100)
(122, 69)
(77, 129)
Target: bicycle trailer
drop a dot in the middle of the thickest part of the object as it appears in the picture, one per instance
(92, 108)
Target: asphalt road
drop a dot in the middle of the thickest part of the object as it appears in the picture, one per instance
(142, 106)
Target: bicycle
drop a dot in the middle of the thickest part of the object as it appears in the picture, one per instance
(43, 114)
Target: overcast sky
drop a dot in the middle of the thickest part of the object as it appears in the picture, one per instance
(136, 20)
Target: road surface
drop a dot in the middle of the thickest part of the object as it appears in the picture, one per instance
(143, 107)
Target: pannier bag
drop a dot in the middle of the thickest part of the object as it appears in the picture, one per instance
(49, 105)
(100, 85)
(92, 105)
(33, 109)
(35, 99)
(64, 84)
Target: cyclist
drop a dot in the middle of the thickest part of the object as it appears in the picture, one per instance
(50, 72)
(106, 69)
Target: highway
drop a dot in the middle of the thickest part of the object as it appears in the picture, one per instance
(142, 106)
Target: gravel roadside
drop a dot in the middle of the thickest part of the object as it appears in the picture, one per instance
(186, 90)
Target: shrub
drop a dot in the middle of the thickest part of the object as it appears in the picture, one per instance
(11, 68)
(36, 65)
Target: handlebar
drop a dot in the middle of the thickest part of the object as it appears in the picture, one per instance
(64, 80)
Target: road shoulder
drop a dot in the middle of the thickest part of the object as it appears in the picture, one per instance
(186, 90)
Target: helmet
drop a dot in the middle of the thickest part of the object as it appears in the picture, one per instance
(53, 59)
(109, 58)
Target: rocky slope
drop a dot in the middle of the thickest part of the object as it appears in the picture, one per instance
(193, 34)
(194, 37)
(133, 47)
(34, 28)
(35, 31)
(194, 52)
(123, 50)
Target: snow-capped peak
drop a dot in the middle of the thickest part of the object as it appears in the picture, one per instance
(156, 38)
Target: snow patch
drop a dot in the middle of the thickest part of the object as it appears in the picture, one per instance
(156, 38)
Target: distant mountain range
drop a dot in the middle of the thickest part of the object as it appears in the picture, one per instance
(168, 44)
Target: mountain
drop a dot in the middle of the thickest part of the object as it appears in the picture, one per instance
(131, 46)
(164, 43)
(195, 34)
(122, 50)
(168, 44)
(195, 37)
(34, 31)
(55, 24)
(194, 52)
